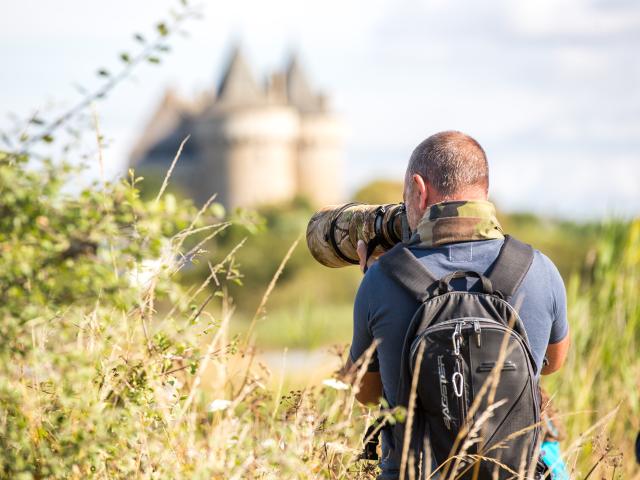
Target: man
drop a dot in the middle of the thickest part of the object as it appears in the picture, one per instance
(448, 167)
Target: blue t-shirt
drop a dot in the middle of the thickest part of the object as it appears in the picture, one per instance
(383, 311)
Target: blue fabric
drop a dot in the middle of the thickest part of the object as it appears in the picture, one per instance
(550, 452)
(383, 311)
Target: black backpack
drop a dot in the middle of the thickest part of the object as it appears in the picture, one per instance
(463, 334)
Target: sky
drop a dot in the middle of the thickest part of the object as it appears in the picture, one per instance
(550, 88)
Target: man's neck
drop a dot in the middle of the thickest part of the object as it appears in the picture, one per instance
(432, 200)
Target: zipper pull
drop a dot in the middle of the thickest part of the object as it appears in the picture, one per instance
(458, 384)
(476, 329)
(455, 338)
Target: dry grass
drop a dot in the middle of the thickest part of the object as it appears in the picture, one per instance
(114, 392)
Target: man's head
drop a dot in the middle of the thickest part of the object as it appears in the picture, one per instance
(446, 166)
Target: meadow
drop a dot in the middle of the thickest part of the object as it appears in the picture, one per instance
(133, 328)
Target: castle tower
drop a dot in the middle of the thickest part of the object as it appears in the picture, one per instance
(167, 119)
(250, 143)
(319, 163)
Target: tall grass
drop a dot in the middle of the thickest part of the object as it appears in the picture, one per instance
(602, 374)
(96, 382)
(99, 384)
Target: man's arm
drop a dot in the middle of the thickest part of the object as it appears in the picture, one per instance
(370, 388)
(559, 341)
(556, 355)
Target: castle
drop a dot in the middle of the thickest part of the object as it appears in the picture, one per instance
(250, 143)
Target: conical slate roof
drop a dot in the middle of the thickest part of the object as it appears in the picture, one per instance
(169, 114)
(299, 91)
(238, 86)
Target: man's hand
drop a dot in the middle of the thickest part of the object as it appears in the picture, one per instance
(362, 255)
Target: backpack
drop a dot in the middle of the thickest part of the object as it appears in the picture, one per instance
(453, 344)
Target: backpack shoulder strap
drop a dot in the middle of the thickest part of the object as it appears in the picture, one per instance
(511, 266)
(401, 265)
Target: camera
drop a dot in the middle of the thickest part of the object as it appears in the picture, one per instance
(334, 231)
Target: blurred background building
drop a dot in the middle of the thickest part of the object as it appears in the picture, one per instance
(550, 89)
(250, 142)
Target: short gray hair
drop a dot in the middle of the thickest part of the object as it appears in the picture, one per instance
(451, 162)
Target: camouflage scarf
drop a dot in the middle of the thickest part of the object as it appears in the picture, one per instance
(452, 222)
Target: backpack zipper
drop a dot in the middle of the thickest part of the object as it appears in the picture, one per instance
(457, 379)
(459, 391)
(463, 321)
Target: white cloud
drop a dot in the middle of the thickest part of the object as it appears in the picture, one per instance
(543, 18)
(544, 84)
(577, 186)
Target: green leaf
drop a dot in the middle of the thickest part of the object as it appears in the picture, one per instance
(138, 37)
(153, 60)
(103, 72)
(162, 29)
(125, 57)
(217, 210)
(47, 138)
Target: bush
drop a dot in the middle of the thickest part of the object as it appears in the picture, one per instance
(94, 382)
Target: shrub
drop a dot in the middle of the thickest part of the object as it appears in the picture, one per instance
(94, 382)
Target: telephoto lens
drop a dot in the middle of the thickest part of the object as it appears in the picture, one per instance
(334, 231)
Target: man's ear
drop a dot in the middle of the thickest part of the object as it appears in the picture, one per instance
(420, 190)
